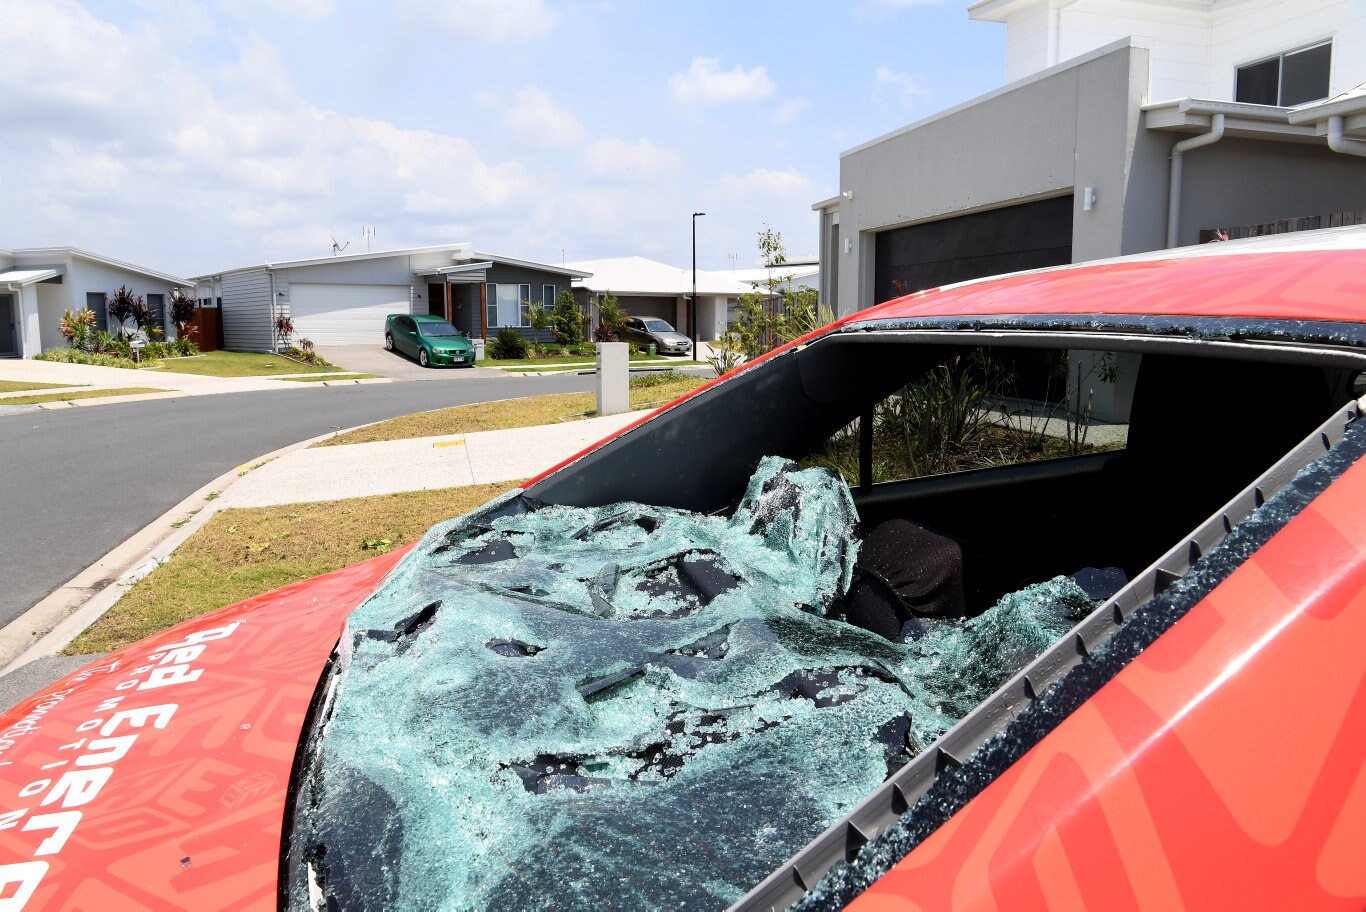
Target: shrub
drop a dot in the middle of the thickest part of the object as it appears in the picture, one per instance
(284, 328)
(76, 356)
(153, 351)
(565, 320)
(77, 327)
(185, 346)
(610, 317)
(539, 318)
(305, 355)
(122, 307)
(182, 312)
(507, 345)
(583, 349)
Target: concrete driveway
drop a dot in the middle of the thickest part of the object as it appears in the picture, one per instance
(373, 359)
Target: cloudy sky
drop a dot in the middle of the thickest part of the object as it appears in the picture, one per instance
(190, 137)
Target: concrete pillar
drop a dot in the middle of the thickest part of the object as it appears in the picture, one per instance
(613, 379)
(30, 339)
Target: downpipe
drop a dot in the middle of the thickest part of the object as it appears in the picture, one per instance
(1340, 143)
(1179, 150)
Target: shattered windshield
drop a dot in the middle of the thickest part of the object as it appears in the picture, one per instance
(586, 708)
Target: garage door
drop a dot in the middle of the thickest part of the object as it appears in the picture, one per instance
(344, 314)
(1025, 236)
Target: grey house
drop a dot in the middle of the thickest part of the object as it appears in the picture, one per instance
(1226, 117)
(343, 300)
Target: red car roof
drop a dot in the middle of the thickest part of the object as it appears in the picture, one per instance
(1298, 285)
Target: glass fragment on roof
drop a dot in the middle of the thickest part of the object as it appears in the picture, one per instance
(580, 708)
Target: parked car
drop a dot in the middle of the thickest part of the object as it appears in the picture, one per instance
(1186, 422)
(430, 339)
(645, 331)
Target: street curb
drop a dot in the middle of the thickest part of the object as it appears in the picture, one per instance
(68, 611)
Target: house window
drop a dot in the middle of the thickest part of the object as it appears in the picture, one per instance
(94, 301)
(156, 303)
(524, 305)
(1287, 79)
(547, 296)
(504, 302)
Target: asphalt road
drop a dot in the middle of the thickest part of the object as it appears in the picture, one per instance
(74, 483)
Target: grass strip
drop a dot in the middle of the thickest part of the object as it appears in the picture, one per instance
(224, 363)
(332, 379)
(245, 552)
(81, 394)
(19, 386)
(559, 359)
(646, 392)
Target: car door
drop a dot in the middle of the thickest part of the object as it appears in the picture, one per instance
(408, 334)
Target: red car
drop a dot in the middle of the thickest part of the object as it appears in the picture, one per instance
(1177, 434)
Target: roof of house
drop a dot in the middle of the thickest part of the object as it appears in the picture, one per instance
(459, 251)
(28, 276)
(95, 258)
(794, 269)
(636, 275)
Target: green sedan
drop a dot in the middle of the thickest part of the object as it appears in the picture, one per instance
(431, 340)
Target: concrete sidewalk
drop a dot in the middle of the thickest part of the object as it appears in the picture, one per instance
(419, 464)
(88, 377)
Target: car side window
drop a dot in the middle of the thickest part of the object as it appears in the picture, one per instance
(983, 408)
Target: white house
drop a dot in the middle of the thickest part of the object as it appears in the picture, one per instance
(648, 288)
(804, 272)
(343, 300)
(1126, 126)
(38, 283)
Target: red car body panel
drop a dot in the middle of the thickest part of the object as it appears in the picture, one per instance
(1301, 285)
(157, 778)
(1225, 767)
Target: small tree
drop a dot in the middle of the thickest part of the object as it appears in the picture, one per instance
(284, 328)
(78, 326)
(122, 307)
(182, 313)
(148, 320)
(565, 321)
(539, 318)
(610, 317)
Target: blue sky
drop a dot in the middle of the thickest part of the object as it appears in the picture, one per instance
(197, 136)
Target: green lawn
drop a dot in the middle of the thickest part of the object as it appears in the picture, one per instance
(241, 553)
(238, 364)
(80, 394)
(19, 386)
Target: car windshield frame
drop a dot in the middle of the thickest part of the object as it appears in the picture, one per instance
(653, 324)
(426, 328)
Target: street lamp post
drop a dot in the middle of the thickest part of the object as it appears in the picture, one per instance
(692, 305)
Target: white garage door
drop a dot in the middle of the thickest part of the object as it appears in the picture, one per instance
(344, 314)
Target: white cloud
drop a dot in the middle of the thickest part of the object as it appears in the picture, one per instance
(307, 10)
(705, 83)
(788, 111)
(536, 118)
(481, 21)
(618, 160)
(901, 87)
(763, 182)
(233, 158)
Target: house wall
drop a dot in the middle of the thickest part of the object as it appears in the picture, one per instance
(1195, 51)
(52, 301)
(500, 273)
(1291, 180)
(1072, 128)
(248, 317)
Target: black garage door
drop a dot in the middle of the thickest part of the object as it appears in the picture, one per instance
(1027, 236)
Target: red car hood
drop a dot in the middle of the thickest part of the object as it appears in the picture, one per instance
(158, 777)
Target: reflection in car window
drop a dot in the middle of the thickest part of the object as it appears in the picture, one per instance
(987, 408)
(658, 326)
(439, 328)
